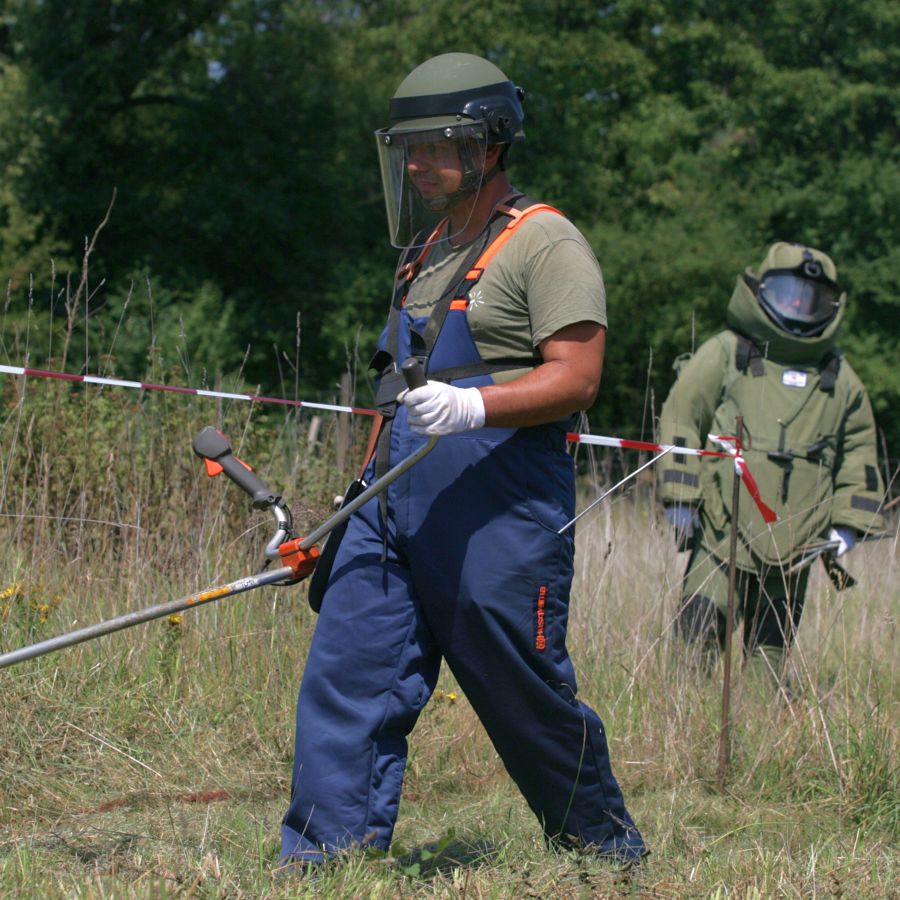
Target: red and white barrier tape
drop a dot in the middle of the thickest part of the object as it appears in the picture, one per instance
(140, 385)
(733, 448)
(627, 444)
(730, 445)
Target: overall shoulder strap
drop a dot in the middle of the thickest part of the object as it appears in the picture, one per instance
(508, 216)
(385, 362)
(518, 213)
(407, 269)
(495, 227)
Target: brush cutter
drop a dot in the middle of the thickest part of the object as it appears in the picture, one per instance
(298, 556)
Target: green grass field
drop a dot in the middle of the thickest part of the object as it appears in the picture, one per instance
(156, 762)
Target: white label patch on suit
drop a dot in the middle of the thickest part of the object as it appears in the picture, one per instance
(793, 378)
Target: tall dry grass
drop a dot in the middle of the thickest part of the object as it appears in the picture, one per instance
(156, 761)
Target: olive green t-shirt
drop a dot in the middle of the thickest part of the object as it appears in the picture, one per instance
(544, 278)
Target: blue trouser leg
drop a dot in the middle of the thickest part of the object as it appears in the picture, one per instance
(485, 566)
(372, 667)
(552, 745)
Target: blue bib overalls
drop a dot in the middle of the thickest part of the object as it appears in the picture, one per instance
(476, 574)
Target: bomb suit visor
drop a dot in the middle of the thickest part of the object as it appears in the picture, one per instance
(802, 300)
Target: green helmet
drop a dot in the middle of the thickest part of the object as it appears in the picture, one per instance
(457, 88)
(453, 99)
(797, 288)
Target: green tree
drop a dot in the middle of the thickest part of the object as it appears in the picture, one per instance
(682, 137)
(211, 121)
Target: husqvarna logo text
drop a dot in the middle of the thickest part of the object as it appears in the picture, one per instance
(540, 641)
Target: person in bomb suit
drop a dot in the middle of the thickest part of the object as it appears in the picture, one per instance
(810, 444)
(461, 559)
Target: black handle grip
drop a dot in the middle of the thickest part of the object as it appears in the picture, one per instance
(211, 444)
(414, 372)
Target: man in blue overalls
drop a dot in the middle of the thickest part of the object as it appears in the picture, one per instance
(461, 560)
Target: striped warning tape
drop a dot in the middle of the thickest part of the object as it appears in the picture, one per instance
(627, 444)
(198, 392)
(733, 448)
(730, 445)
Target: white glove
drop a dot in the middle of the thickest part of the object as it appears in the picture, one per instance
(438, 408)
(846, 538)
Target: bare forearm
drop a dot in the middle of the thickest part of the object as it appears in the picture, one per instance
(544, 395)
(566, 382)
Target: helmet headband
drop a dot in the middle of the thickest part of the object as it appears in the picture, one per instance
(498, 105)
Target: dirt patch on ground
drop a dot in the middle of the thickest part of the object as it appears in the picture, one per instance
(147, 798)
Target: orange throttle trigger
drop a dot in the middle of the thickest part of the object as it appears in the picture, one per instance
(213, 448)
(302, 562)
(214, 468)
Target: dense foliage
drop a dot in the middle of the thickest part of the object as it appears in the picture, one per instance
(682, 137)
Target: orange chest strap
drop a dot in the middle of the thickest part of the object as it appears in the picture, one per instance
(407, 272)
(517, 217)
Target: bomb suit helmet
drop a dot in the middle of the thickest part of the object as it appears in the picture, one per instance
(443, 117)
(798, 290)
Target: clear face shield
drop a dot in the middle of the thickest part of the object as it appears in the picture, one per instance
(426, 174)
(802, 300)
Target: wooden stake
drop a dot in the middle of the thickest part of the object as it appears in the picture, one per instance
(725, 730)
(343, 424)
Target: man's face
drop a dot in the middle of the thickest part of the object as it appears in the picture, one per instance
(431, 174)
(435, 169)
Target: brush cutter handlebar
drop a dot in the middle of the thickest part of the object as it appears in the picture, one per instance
(213, 447)
(298, 556)
(414, 372)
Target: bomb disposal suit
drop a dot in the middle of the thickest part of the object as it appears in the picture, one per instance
(460, 560)
(810, 444)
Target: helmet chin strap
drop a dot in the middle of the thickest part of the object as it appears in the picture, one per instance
(471, 184)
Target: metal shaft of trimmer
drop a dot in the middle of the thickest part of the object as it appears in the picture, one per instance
(214, 448)
(143, 615)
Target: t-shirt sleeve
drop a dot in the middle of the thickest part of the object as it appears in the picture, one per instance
(562, 278)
